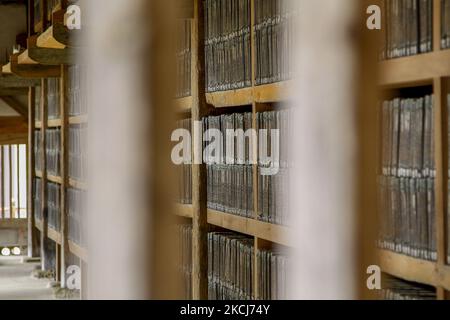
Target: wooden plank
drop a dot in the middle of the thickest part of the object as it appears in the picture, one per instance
(267, 231)
(32, 234)
(50, 56)
(78, 251)
(10, 200)
(414, 70)
(232, 98)
(38, 124)
(13, 81)
(54, 123)
(2, 181)
(33, 71)
(274, 92)
(183, 210)
(44, 231)
(408, 268)
(5, 92)
(18, 179)
(77, 184)
(65, 177)
(15, 105)
(58, 36)
(199, 109)
(83, 119)
(183, 104)
(54, 179)
(440, 90)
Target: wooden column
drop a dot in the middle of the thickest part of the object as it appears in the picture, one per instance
(2, 181)
(44, 120)
(32, 234)
(199, 196)
(18, 180)
(64, 175)
(10, 183)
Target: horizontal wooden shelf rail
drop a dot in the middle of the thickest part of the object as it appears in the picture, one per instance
(413, 269)
(54, 179)
(273, 92)
(13, 223)
(55, 236)
(183, 104)
(77, 184)
(13, 81)
(33, 71)
(58, 36)
(54, 123)
(184, 210)
(414, 70)
(47, 56)
(78, 119)
(267, 231)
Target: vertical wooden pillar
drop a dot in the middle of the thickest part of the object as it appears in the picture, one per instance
(18, 180)
(44, 120)
(2, 181)
(10, 200)
(64, 176)
(32, 234)
(199, 195)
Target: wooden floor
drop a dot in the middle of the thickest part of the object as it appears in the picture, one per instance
(16, 282)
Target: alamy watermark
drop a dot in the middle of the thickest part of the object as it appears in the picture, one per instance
(239, 147)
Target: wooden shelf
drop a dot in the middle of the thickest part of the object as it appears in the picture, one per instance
(267, 231)
(77, 184)
(408, 268)
(273, 92)
(233, 98)
(414, 70)
(54, 123)
(78, 251)
(54, 179)
(183, 210)
(183, 104)
(52, 234)
(78, 119)
(24, 58)
(58, 36)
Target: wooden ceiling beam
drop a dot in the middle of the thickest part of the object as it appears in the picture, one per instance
(16, 106)
(33, 71)
(50, 56)
(13, 91)
(13, 81)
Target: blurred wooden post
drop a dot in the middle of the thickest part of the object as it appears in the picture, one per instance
(199, 196)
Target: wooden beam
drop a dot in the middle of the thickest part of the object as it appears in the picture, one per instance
(15, 105)
(12, 91)
(33, 71)
(44, 231)
(13, 81)
(50, 56)
(32, 234)
(65, 250)
(199, 197)
(2, 181)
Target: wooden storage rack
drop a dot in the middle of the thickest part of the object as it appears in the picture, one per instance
(426, 69)
(265, 234)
